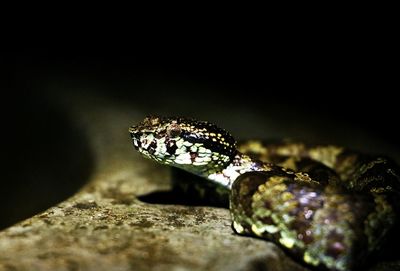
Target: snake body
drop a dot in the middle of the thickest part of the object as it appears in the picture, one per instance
(329, 207)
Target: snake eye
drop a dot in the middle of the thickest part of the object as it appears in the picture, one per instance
(173, 130)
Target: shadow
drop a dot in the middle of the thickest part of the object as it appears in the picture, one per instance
(388, 257)
(47, 159)
(191, 190)
(174, 197)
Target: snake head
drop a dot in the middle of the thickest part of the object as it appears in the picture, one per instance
(196, 146)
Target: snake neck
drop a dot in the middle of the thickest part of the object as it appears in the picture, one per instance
(240, 164)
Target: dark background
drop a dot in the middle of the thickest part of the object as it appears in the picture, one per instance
(341, 82)
(349, 82)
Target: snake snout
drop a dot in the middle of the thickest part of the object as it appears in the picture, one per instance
(132, 130)
(135, 136)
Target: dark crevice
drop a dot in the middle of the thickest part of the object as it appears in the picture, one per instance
(47, 159)
(190, 190)
(174, 197)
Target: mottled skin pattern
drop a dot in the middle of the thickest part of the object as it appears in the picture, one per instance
(326, 206)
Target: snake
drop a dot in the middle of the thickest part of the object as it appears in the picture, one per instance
(328, 207)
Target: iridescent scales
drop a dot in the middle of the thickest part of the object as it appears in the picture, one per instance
(321, 225)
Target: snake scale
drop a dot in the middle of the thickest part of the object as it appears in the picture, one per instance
(327, 206)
